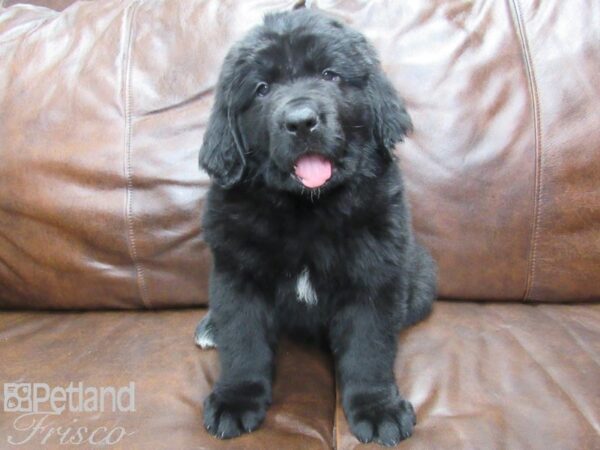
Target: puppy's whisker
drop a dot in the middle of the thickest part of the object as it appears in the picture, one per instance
(339, 139)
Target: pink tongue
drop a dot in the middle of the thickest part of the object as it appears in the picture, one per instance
(313, 170)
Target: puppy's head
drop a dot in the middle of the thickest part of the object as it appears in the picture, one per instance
(301, 105)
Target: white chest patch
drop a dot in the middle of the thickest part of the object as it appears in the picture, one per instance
(304, 290)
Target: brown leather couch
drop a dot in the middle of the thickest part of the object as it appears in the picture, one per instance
(103, 270)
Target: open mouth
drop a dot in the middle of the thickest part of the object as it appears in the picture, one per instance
(313, 170)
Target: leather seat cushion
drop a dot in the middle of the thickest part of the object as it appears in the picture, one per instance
(479, 375)
(172, 376)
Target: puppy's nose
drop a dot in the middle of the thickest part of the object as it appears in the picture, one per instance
(301, 120)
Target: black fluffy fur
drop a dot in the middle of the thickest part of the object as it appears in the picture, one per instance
(353, 235)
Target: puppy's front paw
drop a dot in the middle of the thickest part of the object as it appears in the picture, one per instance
(386, 421)
(235, 409)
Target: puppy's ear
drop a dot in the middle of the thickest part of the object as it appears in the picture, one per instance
(222, 152)
(391, 122)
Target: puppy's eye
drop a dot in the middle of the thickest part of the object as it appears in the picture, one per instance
(330, 75)
(262, 89)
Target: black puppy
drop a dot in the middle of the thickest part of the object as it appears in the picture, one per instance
(308, 223)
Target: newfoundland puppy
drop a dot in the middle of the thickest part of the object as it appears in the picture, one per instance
(308, 223)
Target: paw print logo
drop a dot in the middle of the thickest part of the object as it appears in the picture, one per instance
(17, 397)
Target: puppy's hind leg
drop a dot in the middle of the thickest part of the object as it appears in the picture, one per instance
(205, 333)
(423, 290)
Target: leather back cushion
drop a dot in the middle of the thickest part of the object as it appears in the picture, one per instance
(103, 106)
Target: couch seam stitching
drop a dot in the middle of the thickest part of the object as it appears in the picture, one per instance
(129, 216)
(536, 112)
